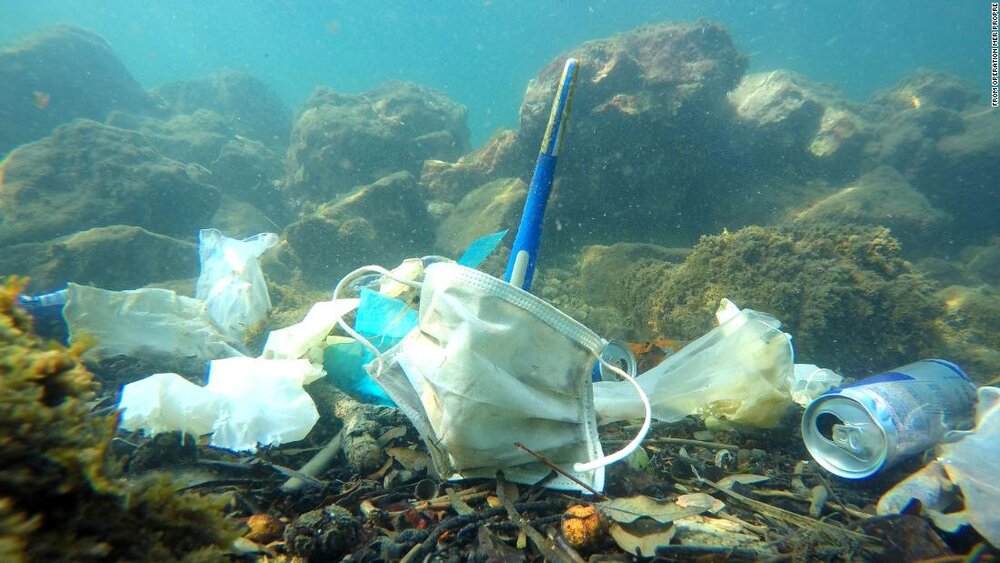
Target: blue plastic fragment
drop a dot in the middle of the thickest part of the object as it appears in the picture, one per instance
(382, 316)
(384, 321)
(344, 364)
(480, 249)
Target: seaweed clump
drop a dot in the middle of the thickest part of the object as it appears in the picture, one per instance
(61, 498)
(845, 294)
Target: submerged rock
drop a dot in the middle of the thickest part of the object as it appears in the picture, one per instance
(648, 138)
(91, 175)
(250, 107)
(884, 198)
(196, 137)
(340, 141)
(926, 88)
(788, 118)
(381, 223)
(971, 328)
(240, 167)
(115, 258)
(487, 209)
(57, 75)
(962, 178)
(844, 293)
(907, 139)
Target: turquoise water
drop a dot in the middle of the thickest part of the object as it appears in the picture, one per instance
(482, 53)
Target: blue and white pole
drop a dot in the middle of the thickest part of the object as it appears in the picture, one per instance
(521, 267)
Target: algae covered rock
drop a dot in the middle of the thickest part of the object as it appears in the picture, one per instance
(250, 107)
(61, 497)
(91, 175)
(59, 74)
(849, 300)
(883, 198)
(783, 113)
(340, 141)
(115, 257)
(928, 88)
(650, 126)
(381, 223)
(962, 179)
(487, 209)
(971, 328)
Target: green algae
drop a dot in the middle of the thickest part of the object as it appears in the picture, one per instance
(851, 302)
(62, 497)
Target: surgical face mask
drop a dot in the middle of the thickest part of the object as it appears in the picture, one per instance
(490, 365)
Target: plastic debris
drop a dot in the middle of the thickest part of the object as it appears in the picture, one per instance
(739, 372)
(156, 325)
(306, 338)
(231, 283)
(971, 463)
(247, 401)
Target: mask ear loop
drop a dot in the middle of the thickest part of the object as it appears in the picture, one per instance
(350, 331)
(639, 437)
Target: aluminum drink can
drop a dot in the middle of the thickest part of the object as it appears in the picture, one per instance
(618, 354)
(861, 429)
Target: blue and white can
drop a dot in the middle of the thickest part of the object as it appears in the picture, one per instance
(861, 429)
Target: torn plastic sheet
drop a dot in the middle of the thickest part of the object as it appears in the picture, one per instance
(247, 402)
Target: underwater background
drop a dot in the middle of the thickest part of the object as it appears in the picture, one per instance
(834, 165)
(482, 53)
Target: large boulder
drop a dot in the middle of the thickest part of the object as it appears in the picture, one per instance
(240, 167)
(489, 208)
(88, 175)
(647, 141)
(57, 75)
(907, 139)
(250, 107)
(196, 137)
(846, 295)
(883, 198)
(787, 119)
(962, 177)
(380, 223)
(341, 141)
(925, 88)
(116, 257)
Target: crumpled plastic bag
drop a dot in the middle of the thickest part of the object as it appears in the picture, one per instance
(231, 283)
(809, 381)
(971, 462)
(305, 338)
(247, 401)
(739, 372)
(156, 325)
(166, 402)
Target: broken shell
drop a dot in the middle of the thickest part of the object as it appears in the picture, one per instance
(583, 526)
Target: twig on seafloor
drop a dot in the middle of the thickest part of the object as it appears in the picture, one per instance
(831, 505)
(546, 547)
(680, 442)
(317, 465)
(562, 472)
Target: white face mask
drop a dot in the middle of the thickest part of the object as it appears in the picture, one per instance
(490, 365)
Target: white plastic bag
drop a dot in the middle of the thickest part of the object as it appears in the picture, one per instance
(972, 463)
(265, 402)
(166, 402)
(247, 402)
(738, 372)
(305, 338)
(231, 283)
(156, 325)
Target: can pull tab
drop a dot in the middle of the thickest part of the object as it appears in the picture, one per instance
(860, 440)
